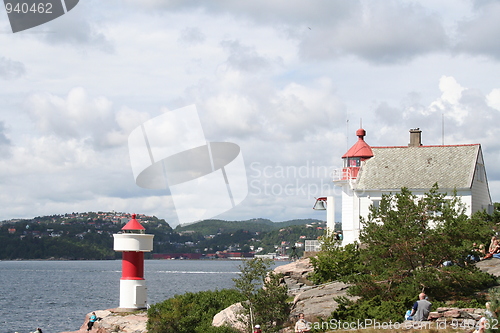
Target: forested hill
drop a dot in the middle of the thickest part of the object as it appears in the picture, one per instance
(90, 236)
(212, 227)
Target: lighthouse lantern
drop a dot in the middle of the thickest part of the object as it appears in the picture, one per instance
(358, 153)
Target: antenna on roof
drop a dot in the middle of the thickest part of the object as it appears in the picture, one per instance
(347, 130)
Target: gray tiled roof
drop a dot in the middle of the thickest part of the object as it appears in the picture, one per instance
(419, 167)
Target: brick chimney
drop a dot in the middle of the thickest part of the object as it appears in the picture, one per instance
(415, 137)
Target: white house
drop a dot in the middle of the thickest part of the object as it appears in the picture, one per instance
(369, 172)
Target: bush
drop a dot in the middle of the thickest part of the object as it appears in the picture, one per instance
(374, 308)
(270, 304)
(333, 262)
(191, 312)
(267, 299)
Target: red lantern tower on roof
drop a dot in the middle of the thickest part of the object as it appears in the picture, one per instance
(133, 242)
(358, 153)
(346, 178)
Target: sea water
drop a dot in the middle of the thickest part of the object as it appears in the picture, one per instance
(56, 295)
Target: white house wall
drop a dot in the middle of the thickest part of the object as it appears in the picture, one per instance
(364, 206)
(481, 196)
(349, 232)
(480, 190)
(356, 204)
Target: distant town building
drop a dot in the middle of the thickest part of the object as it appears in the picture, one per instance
(369, 172)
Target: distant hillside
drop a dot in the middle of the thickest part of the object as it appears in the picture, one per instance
(89, 236)
(213, 227)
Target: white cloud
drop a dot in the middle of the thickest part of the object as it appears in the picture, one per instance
(468, 118)
(335, 28)
(477, 34)
(449, 103)
(293, 12)
(299, 111)
(72, 117)
(74, 28)
(245, 58)
(11, 69)
(192, 35)
(278, 78)
(5, 142)
(493, 99)
(370, 34)
(79, 116)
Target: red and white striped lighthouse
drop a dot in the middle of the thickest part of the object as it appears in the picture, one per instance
(133, 242)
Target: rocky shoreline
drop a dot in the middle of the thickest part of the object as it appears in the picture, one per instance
(116, 320)
(314, 301)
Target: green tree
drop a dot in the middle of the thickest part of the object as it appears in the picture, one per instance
(334, 262)
(406, 241)
(270, 304)
(266, 303)
(404, 244)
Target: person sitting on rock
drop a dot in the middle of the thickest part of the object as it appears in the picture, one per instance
(494, 248)
(493, 243)
(302, 325)
(92, 320)
(476, 253)
(488, 313)
(481, 325)
(421, 308)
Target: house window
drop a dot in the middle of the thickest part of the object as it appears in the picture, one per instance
(376, 203)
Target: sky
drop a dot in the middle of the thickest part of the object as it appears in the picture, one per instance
(289, 82)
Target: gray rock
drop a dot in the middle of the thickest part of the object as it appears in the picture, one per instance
(475, 316)
(131, 323)
(466, 314)
(491, 266)
(295, 275)
(453, 313)
(319, 301)
(469, 322)
(435, 315)
(114, 320)
(231, 316)
(442, 309)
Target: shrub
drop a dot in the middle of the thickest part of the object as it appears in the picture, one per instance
(191, 312)
(333, 262)
(267, 299)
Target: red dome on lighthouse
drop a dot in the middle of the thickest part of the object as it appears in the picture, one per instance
(360, 148)
(133, 224)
